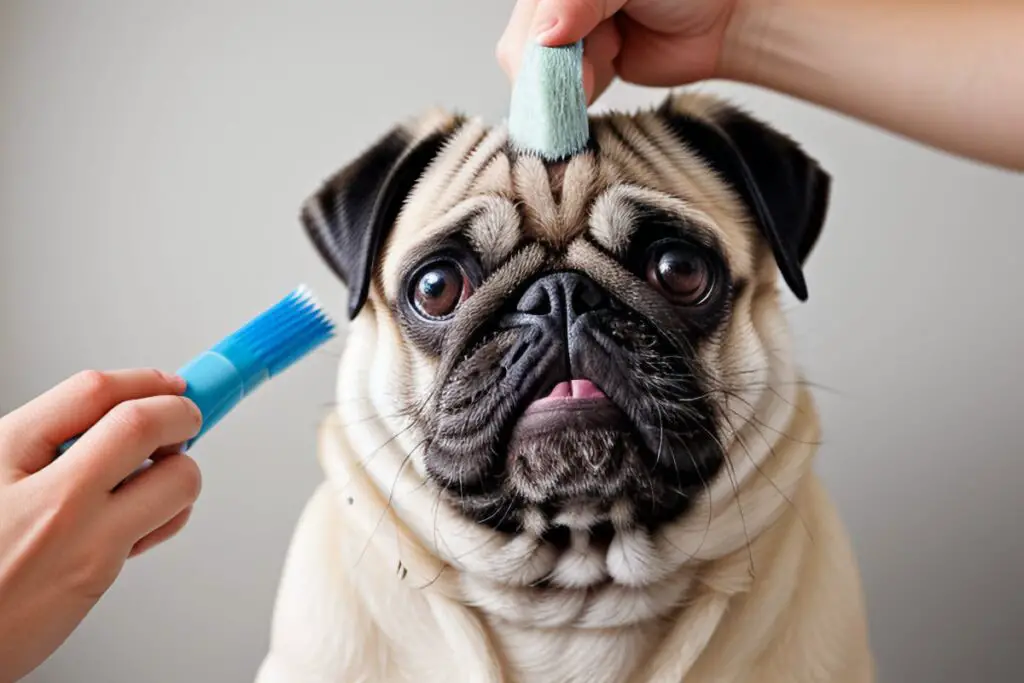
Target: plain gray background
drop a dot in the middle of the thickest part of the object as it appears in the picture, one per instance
(152, 159)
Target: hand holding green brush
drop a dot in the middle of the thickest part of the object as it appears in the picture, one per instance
(548, 112)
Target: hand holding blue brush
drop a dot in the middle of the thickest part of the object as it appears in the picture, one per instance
(67, 525)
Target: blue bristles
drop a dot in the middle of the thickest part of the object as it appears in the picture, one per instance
(285, 332)
(266, 346)
(548, 110)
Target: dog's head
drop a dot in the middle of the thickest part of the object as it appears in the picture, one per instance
(576, 344)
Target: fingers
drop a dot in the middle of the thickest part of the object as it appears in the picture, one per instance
(510, 45)
(30, 435)
(566, 21)
(147, 509)
(634, 63)
(554, 22)
(600, 50)
(164, 533)
(670, 52)
(126, 437)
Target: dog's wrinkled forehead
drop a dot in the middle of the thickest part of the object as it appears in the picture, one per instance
(496, 200)
(694, 161)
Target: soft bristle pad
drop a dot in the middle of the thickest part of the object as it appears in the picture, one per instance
(548, 111)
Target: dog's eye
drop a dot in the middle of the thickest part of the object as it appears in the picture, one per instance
(681, 273)
(439, 288)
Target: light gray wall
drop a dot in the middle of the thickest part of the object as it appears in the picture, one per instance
(153, 155)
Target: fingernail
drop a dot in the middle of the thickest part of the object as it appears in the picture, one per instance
(175, 381)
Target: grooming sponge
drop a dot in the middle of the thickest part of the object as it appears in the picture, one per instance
(548, 111)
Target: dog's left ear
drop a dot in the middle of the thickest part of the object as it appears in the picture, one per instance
(785, 189)
(352, 213)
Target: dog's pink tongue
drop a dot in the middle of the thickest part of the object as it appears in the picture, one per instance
(577, 388)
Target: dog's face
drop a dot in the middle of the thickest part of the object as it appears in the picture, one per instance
(576, 342)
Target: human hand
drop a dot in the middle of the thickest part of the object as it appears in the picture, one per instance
(647, 42)
(68, 525)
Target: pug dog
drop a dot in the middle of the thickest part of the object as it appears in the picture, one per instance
(571, 443)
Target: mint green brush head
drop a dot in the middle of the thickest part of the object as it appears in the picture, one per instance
(548, 112)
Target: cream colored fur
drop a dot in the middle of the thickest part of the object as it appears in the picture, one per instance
(385, 583)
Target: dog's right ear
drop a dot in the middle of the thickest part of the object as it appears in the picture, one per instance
(786, 190)
(351, 214)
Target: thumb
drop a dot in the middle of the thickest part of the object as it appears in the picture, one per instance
(561, 22)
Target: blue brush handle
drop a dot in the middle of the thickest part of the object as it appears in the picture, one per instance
(217, 381)
(216, 385)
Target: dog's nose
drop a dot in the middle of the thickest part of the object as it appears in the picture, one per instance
(565, 295)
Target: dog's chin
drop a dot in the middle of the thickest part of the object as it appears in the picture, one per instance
(574, 460)
(577, 450)
(614, 428)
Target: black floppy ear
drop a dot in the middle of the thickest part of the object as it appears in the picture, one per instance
(353, 212)
(785, 189)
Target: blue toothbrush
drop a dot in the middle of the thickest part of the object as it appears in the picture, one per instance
(218, 379)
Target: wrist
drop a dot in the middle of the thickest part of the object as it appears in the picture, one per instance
(761, 41)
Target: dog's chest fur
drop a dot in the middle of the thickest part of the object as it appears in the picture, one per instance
(782, 610)
(558, 656)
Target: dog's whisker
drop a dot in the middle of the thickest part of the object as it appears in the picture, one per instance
(731, 472)
(374, 418)
(761, 472)
(388, 505)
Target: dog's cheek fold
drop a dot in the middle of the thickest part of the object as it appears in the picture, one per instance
(425, 336)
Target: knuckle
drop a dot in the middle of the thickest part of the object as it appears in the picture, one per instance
(189, 477)
(134, 417)
(96, 385)
(159, 378)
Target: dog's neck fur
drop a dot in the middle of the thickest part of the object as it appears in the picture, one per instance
(368, 453)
